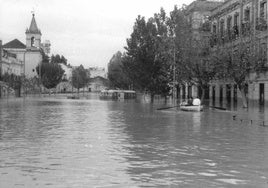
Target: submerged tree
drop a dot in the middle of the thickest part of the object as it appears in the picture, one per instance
(80, 77)
(194, 65)
(50, 73)
(116, 75)
(144, 61)
(13, 81)
(236, 61)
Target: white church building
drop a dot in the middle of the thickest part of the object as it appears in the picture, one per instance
(31, 53)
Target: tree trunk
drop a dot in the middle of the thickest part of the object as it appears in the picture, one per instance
(165, 99)
(203, 95)
(243, 95)
(152, 98)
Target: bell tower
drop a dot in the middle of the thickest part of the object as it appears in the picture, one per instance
(33, 35)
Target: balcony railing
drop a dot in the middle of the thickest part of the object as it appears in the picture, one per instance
(206, 27)
(261, 24)
(246, 28)
(227, 36)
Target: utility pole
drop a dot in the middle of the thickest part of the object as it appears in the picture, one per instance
(174, 70)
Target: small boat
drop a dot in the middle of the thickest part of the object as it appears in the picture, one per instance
(73, 97)
(191, 108)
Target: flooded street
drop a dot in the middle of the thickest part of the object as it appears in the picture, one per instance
(63, 143)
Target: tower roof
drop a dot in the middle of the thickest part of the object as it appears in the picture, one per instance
(14, 44)
(33, 27)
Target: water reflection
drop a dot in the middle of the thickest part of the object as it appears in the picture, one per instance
(91, 143)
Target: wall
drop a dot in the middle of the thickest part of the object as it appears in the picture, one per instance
(32, 59)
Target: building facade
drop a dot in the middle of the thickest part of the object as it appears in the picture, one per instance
(198, 14)
(230, 22)
(98, 79)
(31, 53)
(10, 64)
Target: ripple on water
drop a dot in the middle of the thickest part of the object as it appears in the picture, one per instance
(207, 174)
(233, 181)
(115, 144)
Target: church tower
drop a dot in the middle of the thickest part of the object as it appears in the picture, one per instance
(33, 36)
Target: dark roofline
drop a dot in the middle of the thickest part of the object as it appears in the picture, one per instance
(198, 5)
(15, 44)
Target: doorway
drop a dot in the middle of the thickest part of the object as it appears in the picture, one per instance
(261, 97)
(221, 94)
(228, 93)
(213, 93)
(235, 93)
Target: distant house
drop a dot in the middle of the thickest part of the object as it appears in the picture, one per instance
(97, 84)
(98, 79)
(66, 84)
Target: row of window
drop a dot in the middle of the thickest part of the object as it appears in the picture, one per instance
(234, 20)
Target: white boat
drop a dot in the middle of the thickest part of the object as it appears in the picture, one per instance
(191, 108)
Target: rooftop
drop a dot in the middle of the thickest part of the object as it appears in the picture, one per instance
(33, 27)
(204, 5)
(14, 44)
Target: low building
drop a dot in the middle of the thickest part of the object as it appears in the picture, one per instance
(98, 84)
(65, 86)
(98, 79)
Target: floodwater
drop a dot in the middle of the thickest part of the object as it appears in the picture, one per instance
(60, 143)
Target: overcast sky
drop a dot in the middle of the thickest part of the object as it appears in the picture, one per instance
(86, 32)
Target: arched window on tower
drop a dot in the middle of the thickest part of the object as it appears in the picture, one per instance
(32, 41)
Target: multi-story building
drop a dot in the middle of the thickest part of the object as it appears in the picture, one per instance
(231, 21)
(198, 13)
(10, 64)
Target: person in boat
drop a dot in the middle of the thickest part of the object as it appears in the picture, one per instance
(196, 102)
(190, 101)
(183, 103)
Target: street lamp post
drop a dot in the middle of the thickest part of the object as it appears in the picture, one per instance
(174, 70)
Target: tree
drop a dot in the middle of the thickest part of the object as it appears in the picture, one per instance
(235, 61)
(80, 77)
(13, 81)
(143, 62)
(116, 75)
(181, 32)
(58, 59)
(194, 66)
(201, 65)
(51, 72)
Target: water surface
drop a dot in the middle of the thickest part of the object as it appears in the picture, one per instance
(56, 142)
